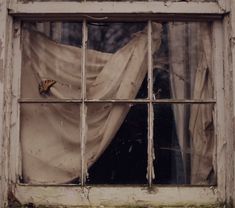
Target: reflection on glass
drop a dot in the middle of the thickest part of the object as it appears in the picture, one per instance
(50, 140)
(184, 141)
(116, 64)
(117, 144)
(182, 67)
(51, 69)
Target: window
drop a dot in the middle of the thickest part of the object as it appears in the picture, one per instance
(118, 85)
(112, 99)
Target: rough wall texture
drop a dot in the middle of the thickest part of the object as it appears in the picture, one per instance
(1, 62)
(3, 140)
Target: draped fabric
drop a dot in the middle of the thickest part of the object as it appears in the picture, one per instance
(192, 78)
(201, 118)
(50, 135)
(178, 82)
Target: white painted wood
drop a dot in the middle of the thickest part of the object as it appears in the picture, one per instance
(224, 5)
(32, 100)
(83, 111)
(217, 63)
(231, 42)
(119, 196)
(15, 156)
(5, 98)
(228, 88)
(150, 168)
(232, 24)
(153, 7)
(116, 196)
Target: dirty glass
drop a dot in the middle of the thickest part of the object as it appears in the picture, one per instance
(125, 159)
(116, 39)
(52, 75)
(50, 138)
(184, 144)
(183, 62)
(112, 146)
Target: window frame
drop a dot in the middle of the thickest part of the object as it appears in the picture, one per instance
(156, 195)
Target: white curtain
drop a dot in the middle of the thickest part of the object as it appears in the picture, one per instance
(50, 133)
(191, 77)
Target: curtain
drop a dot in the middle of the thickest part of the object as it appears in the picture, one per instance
(50, 133)
(191, 77)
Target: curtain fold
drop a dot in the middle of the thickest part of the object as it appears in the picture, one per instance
(201, 119)
(191, 77)
(177, 34)
(50, 134)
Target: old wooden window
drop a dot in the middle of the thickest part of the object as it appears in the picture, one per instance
(147, 85)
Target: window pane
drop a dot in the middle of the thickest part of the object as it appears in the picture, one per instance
(184, 139)
(116, 148)
(51, 66)
(116, 134)
(182, 68)
(50, 139)
(117, 60)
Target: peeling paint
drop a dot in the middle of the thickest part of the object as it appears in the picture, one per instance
(1, 60)
(222, 7)
(1, 70)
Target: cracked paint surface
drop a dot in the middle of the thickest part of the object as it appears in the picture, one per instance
(1, 62)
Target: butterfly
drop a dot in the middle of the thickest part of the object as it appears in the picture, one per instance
(45, 85)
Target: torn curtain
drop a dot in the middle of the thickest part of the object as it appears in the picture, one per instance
(50, 135)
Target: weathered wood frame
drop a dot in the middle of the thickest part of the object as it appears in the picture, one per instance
(10, 51)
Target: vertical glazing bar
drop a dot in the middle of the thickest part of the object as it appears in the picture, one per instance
(83, 106)
(187, 93)
(150, 107)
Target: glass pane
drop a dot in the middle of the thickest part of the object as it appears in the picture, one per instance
(182, 68)
(117, 60)
(50, 139)
(50, 67)
(184, 139)
(116, 148)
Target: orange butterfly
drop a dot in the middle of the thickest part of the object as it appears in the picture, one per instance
(45, 85)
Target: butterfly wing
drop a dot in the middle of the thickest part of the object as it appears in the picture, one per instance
(45, 85)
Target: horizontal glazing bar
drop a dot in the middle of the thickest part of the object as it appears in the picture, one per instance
(25, 100)
(197, 101)
(19, 184)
